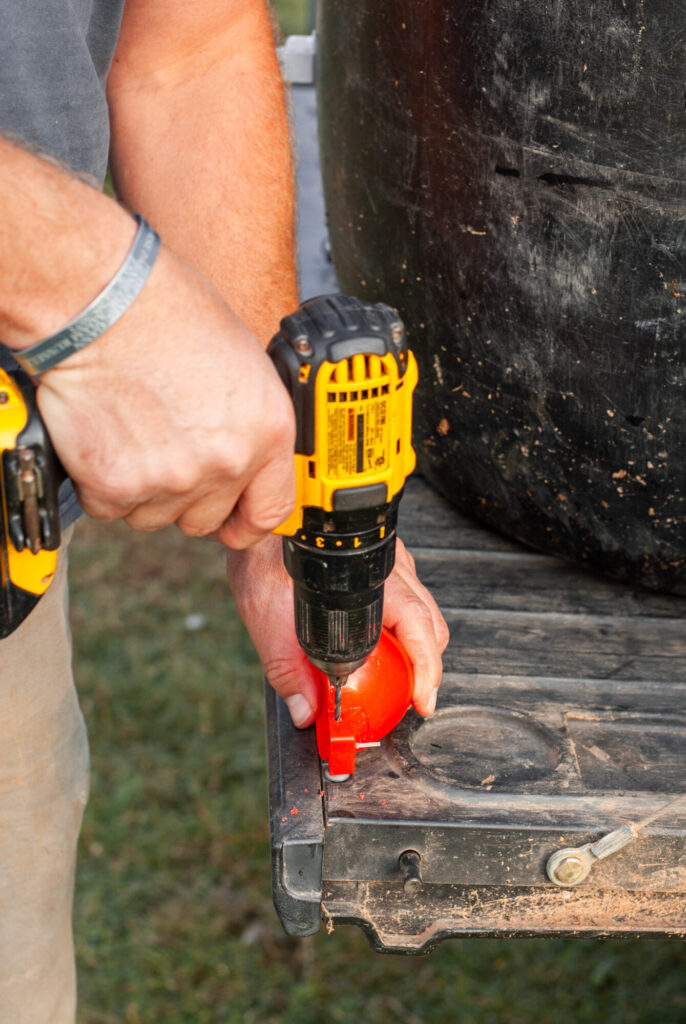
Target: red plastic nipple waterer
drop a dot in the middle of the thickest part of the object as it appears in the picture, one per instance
(373, 701)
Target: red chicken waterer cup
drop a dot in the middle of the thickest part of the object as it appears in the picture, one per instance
(373, 701)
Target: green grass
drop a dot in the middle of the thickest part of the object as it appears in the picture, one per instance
(293, 16)
(174, 920)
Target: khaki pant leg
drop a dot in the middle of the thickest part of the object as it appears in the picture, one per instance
(43, 791)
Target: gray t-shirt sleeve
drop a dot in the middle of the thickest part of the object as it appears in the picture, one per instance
(54, 59)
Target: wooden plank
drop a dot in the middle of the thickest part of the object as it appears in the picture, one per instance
(630, 752)
(428, 520)
(601, 647)
(522, 580)
(527, 691)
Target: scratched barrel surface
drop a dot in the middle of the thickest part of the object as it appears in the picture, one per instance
(511, 175)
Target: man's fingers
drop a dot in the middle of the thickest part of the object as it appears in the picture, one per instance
(439, 624)
(105, 511)
(238, 512)
(292, 677)
(403, 557)
(405, 568)
(413, 616)
(263, 592)
(206, 517)
(264, 504)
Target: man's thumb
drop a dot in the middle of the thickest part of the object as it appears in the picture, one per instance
(294, 679)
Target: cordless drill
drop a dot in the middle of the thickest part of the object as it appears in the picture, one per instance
(348, 369)
(30, 475)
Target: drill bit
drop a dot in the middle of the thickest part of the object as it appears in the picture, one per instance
(338, 682)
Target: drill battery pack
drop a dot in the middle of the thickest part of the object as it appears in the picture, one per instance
(29, 486)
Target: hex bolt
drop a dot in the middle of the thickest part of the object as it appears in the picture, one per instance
(409, 863)
(397, 334)
(568, 867)
(4, 398)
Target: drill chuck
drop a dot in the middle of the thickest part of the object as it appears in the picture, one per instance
(339, 566)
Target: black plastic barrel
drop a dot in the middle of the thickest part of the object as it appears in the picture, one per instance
(511, 175)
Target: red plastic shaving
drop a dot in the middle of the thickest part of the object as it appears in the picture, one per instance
(361, 796)
(383, 803)
(284, 819)
(294, 810)
(306, 789)
(321, 792)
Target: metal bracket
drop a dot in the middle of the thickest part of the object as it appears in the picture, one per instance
(573, 864)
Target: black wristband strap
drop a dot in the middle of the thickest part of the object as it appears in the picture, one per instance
(103, 311)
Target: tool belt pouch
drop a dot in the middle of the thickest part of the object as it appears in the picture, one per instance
(29, 486)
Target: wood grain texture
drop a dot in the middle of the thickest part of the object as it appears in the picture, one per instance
(562, 716)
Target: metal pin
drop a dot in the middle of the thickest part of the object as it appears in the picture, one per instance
(30, 491)
(410, 869)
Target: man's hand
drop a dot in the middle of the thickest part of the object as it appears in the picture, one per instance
(263, 591)
(411, 613)
(175, 414)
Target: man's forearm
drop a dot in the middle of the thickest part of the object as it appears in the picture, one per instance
(174, 413)
(61, 242)
(200, 145)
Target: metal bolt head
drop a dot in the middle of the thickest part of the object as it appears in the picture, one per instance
(397, 334)
(4, 398)
(568, 867)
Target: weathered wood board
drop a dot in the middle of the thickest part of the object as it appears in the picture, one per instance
(562, 716)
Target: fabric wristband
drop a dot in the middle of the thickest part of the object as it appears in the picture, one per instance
(103, 311)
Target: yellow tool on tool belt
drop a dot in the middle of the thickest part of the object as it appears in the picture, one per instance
(29, 486)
